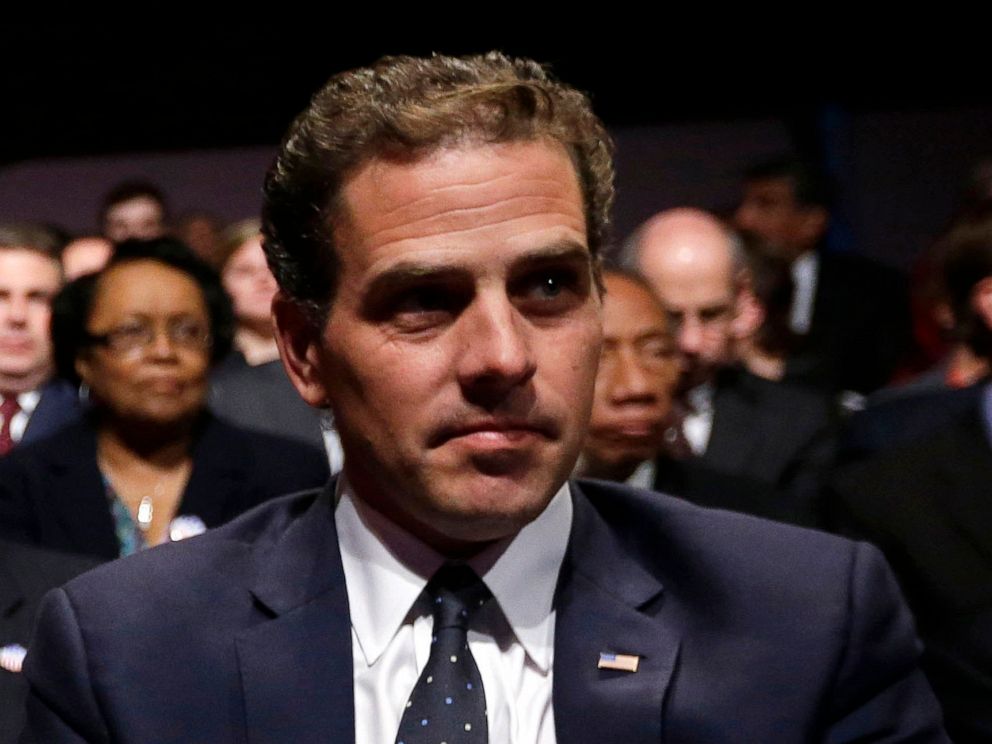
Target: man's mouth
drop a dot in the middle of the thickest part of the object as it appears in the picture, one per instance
(495, 432)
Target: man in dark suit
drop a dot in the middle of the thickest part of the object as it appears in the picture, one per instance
(433, 224)
(26, 573)
(32, 406)
(755, 445)
(851, 314)
(926, 504)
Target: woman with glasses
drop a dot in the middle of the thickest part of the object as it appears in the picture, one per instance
(149, 463)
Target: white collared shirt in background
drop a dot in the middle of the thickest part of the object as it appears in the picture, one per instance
(511, 638)
(805, 272)
(19, 421)
(698, 423)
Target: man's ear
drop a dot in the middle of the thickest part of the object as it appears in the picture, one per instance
(299, 340)
(981, 300)
(749, 313)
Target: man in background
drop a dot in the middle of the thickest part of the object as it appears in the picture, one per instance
(32, 404)
(751, 444)
(133, 209)
(850, 314)
(635, 382)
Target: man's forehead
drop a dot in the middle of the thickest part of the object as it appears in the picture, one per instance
(28, 266)
(778, 189)
(516, 187)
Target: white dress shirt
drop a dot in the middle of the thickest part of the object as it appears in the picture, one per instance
(19, 421)
(511, 638)
(805, 273)
(698, 423)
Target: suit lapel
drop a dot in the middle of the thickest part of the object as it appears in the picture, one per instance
(78, 494)
(296, 669)
(606, 602)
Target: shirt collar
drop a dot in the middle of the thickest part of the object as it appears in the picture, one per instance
(386, 569)
(29, 401)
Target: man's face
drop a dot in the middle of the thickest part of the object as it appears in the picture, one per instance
(637, 374)
(28, 281)
(697, 289)
(459, 355)
(140, 217)
(769, 209)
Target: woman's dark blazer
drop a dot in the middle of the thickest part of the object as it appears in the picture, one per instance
(52, 493)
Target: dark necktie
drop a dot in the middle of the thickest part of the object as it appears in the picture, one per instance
(8, 409)
(448, 703)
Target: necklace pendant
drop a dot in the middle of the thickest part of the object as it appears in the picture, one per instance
(145, 512)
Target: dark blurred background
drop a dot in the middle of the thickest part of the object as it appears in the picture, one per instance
(198, 108)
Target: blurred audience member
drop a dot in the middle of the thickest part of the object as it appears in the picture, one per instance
(85, 255)
(251, 287)
(32, 405)
(201, 231)
(754, 445)
(852, 314)
(133, 209)
(765, 351)
(962, 261)
(148, 463)
(927, 505)
(250, 386)
(26, 574)
(637, 374)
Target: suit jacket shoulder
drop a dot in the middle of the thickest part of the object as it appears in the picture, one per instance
(926, 505)
(58, 407)
(26, 573)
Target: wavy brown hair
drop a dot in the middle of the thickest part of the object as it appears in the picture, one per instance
(403, 108)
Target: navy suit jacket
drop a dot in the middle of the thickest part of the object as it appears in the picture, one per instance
(58, 406)
(747, 631)
(26, 574)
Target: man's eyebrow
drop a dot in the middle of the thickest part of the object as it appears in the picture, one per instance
(406, 273)
(566, 251)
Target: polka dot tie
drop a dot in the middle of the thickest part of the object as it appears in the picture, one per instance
(448, 704)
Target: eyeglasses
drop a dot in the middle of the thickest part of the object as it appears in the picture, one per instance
(134, 337)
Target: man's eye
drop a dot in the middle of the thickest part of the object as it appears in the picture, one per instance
(549, 290)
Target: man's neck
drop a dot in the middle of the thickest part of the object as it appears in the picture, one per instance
(18, 384)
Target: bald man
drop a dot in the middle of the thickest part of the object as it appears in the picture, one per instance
(756, 446)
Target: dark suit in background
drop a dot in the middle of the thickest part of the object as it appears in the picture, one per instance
(929, 507)
(53, 495)
(58, 407)
(26, 574)
(860, 328)
(804, 640)
(769, 450)
(262, 398)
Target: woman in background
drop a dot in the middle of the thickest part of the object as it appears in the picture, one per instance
(250, 386)
(148, 463)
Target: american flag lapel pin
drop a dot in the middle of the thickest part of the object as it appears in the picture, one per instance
(618, 662)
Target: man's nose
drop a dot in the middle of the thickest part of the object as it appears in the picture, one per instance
(745, 217)
(496, 350)
(16, 310)
(690, 336)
